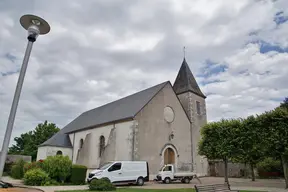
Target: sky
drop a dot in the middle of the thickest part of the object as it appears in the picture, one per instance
(101, 50)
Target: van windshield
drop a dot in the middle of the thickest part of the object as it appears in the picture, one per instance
(105, 166)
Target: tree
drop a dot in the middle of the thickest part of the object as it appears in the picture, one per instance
(219, 141)
(275, 127)
(250, 143)
(285, 103)
(27, 143)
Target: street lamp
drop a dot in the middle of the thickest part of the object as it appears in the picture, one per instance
(35, 26)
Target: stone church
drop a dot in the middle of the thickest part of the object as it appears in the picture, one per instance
(160, 125)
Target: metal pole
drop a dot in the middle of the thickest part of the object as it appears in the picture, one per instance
(14, 107)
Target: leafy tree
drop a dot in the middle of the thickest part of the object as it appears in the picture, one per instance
(275, 127)
(219, 141)
(250, 145)
(27, 143)
(285, 103)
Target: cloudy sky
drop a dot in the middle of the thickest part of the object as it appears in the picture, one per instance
(101, 50)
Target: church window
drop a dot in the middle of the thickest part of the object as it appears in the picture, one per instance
(101, 145)
(59, 152)
(115, 167)
(198, 107)
(81, 143)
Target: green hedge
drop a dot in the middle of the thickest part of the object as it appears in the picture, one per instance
(17, 169)
(8, 167)
(103, 184)
(58, 167)
(78, 174)
(270, 167)
(36, 177)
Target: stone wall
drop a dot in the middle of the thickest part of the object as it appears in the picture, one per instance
(217, 169)
(14, 158)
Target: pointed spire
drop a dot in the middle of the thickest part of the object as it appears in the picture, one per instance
(186, 82)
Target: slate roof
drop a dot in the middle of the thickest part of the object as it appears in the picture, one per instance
(125, 108)
(185, 81)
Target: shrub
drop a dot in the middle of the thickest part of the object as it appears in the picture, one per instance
(36, 177)
(269, 167)
(58, 167)
(103, 184)
(17, 169)
(78, 174)
(8, 167)
(33, 165)
(16, 172)
(50, 182)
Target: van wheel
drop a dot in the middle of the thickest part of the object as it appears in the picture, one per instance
(140, 181)
(167, 180)
(186, 180)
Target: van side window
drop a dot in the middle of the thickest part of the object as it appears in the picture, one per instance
(115, 167)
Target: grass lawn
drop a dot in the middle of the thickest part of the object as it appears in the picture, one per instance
(146, 190)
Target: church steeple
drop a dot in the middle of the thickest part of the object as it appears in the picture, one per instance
(186, 82)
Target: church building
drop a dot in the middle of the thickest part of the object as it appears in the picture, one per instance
(160, 125)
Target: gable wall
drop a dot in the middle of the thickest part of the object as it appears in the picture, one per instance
(152, 132)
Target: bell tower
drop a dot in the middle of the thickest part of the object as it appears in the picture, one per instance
(193, 102)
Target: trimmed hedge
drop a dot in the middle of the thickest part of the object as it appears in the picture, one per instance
(270, 168)
(78, 174)
(36, 177)
(103, 184)
(17, 169)
(8, 167)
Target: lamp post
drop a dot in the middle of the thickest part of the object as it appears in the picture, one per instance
(35, 26)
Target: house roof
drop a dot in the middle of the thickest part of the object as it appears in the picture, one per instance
(185, 81)
(122, 109)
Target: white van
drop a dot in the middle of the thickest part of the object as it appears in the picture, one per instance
(122, 172)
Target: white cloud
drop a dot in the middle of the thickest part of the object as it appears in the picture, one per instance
(99, 51)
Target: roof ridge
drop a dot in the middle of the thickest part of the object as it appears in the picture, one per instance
(125, 97)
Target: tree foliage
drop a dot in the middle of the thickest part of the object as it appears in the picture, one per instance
(27, 143)
(219, 141)
(248, 140)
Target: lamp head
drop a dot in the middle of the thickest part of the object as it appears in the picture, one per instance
(35, 26)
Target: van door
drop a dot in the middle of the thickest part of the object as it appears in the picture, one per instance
(115, 173)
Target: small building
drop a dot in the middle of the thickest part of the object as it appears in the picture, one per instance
(160, 124)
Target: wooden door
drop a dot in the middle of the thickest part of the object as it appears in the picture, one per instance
(169, 156)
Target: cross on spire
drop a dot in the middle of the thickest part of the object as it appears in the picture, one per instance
(184, 51)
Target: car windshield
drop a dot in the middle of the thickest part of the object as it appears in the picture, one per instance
(105, 166)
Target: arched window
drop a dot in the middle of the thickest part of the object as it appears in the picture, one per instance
(101, 145)
(81, 143)
(59, 152)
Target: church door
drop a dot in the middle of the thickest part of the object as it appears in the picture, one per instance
(169, 156)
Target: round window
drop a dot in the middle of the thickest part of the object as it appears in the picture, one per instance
(169, 114)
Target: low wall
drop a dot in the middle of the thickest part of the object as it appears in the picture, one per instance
(217, 169)
(14, 158)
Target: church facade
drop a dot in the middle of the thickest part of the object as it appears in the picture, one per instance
(160, 125)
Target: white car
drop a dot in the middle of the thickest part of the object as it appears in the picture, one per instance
(122, 172)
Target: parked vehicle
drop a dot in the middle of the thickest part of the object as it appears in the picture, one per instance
(122, 172)
(167, 174)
